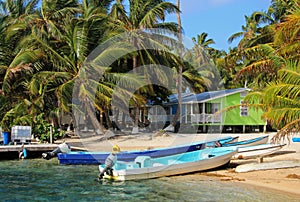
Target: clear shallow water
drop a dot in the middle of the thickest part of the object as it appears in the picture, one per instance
(41, 180)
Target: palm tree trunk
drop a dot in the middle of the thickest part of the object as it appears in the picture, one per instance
(179, 82)
(99, 130)
(136, 107)
(107, 119)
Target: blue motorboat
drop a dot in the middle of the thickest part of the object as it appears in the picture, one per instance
(84, 157)
(249, 142)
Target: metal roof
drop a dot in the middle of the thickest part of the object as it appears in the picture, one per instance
(205, 96)
(174, 97)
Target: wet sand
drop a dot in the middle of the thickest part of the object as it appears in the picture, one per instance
(285, 180)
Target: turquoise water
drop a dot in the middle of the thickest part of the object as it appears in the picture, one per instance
(41, 180)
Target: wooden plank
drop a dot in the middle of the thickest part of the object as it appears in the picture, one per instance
(78, 149)
(35, 147)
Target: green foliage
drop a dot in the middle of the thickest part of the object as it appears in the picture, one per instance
(41, 130)
(42, 53)
(280, 100)
(267, 39)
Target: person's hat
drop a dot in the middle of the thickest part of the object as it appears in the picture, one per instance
(116, 149)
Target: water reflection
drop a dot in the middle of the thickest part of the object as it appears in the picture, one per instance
(41, 180)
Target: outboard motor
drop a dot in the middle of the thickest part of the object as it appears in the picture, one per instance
(61, 148)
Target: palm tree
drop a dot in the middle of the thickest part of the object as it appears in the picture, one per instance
(77, 34)
(179, 81)
(141, 15)
(202, 49)
(60, 38)
(202, 58)
(280, 8)
(262, 42)
(279, 42)
(280, 100)
(202, 41)
(247, 32)
(286, 38)
(238, 59)
(17, 62)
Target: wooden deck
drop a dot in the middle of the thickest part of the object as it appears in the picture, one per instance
(34, 147)
(28, 147)
(33, 150)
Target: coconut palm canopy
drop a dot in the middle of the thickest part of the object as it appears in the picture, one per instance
(280, 100)
(46, 44)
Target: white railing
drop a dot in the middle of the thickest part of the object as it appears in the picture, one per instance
(206, 118)
(192, 118)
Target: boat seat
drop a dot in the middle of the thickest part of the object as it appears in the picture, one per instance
(143, 161)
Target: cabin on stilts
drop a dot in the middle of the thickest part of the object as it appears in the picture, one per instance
(205, 112)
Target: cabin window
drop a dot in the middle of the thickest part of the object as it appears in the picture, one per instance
(244, 109)
(208, 108)
(215, 107)
(212, 108)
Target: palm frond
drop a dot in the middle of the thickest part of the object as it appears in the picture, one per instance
(157, 13)
(290, 75)
(235, 36)
(279, 117)
(288, 130)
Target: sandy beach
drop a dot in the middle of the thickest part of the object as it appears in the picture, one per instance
(285, 180)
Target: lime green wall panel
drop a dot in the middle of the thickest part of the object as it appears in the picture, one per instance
(233, 117)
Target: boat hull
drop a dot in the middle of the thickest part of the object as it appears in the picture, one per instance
(257, 151)
(250, 142)
(200, 161)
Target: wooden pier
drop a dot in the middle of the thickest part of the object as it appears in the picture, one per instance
(33, 150)
(28, 147)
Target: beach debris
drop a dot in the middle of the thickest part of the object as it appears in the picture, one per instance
(293, 176)
(160, 133)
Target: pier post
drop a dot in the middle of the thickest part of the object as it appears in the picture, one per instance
(51, 135)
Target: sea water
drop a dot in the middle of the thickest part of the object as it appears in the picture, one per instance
(42, 180)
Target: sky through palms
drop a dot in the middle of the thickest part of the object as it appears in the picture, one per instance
(219, 18)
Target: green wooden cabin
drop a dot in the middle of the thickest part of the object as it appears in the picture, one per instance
(206, 111)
